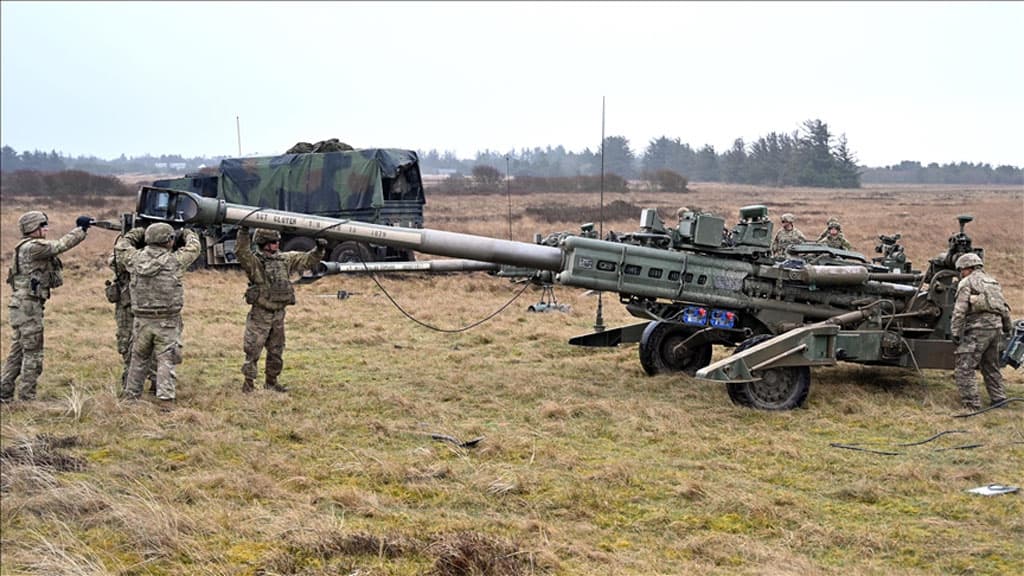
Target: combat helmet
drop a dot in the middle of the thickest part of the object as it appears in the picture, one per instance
(31, 221)
(787, 217)
(969, 260)
(263, 236)
(833, 223)
(159, 233)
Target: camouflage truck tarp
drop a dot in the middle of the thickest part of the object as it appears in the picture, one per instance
(313, 183)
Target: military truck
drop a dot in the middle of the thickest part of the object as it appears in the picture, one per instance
(378, 186)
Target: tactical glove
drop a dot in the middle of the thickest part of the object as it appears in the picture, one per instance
(84, 222)
(955, 339)
(321, 243)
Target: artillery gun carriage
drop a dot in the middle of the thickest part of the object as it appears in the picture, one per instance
(694, 286)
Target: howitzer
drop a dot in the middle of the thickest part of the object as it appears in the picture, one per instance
(1013, 354)
(693, 285)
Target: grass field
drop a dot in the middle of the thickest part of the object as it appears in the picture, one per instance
(586, 465)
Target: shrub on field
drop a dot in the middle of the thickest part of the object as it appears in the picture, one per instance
(458, 184)
(616, 210)
(669, 181)
(487, 177)
(68, 185)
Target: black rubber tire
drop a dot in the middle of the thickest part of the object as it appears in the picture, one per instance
(656, 346)
(298, 244)
(778, 389)
(351, 251)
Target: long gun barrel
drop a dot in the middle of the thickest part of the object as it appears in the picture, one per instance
(179, 207)
(458, 265)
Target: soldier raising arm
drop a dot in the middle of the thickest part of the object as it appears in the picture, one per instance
(270, 291)
(157, 299)
(35, 270)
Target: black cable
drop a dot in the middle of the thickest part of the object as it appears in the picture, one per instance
(398, 306)
(448, 330)
(925, 441)
(992, 407)
(859, 446)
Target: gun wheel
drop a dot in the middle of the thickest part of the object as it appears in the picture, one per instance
(778, 389)
(658, 353)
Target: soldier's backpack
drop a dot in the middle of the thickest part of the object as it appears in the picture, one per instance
(987, 296)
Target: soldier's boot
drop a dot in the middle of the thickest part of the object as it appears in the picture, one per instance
(247, 386)
(971, 405)
(273, 385)
(6, 392)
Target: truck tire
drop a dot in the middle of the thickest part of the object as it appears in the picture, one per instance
(778, 389)
(351, 251)
(298, 244)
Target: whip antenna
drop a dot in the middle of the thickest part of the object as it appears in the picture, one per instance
(508, 191)
(599, 320)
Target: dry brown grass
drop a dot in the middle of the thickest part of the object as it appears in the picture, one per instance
(587, 466)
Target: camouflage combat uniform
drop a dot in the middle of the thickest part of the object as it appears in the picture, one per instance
(35, 271)
(980, 315)
(838, 241)
(157, 300)
(270, 292)
(786, 238)
(119, 292)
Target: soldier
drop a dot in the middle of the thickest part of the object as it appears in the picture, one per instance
(35, 271)
(270, 291)
(157, 299)
(979, 315)
(786, 237)
(119, 293)
(833, 236)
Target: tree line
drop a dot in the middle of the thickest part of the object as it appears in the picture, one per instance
(41, 161)
(809, 156)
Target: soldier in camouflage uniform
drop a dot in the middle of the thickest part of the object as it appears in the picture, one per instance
(119, 293)
(980, 315)
(157, 299)
(786, 237)
(833, 236)
(35, 271)
(270, 291)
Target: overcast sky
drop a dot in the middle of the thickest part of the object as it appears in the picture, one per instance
(933, 82)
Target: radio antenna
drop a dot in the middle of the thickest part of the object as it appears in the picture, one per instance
(599, 320)
(508, 191)
(238, 131)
